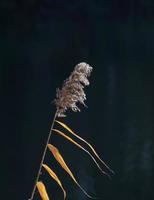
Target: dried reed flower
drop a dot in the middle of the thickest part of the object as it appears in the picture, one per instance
(72, 90)
(71, 93)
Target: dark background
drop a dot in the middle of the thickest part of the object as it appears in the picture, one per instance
(40, 43)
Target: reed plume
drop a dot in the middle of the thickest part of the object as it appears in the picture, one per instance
(68, 97)
(72, 91)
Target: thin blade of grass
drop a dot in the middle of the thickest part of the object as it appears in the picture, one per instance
(78, 145)
(90, 146)
(62, 163)
(55, 177)
(42, 190)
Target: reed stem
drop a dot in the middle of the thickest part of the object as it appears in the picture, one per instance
(43, 157)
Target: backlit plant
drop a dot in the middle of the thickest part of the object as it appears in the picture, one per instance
(68, 97)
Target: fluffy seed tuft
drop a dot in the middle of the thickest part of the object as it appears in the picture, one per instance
(72, 90)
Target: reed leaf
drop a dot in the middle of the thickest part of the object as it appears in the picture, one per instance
(63, 164)
(42, 190)
(90, 146)
(55, 177)
(78, 145)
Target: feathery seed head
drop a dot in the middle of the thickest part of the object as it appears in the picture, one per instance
(72, 90)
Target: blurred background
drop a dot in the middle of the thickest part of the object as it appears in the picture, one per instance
(40, 43)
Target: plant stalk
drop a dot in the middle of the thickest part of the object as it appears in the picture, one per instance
(43, 157)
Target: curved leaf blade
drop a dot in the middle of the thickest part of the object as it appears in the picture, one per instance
(78, 145)
(63, 164)
(55, 177)
(42, 190)
(90, 146)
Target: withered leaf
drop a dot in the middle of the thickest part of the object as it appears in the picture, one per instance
(55, 177)
(90, 146)
(42, 190)
(78, 145)
(63, 164)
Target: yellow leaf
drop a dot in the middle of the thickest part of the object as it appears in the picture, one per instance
(78, 145)
(42, 190)
(55, 177)
(61, 161)
(90, 146)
